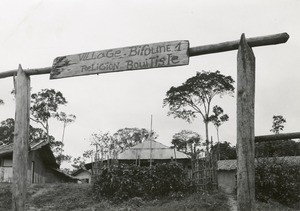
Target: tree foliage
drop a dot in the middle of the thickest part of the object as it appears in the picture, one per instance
(109, 146)
(128, 137)
(218, 118)
(78, 163)
(194, 97)
(1, 102)
(278, 121)
(44, 105)
(277, 148)
(7, 131)
(36, 135)
(66, 120)
(122, 182)
(188, 142)
(277, 179)
(226, 151)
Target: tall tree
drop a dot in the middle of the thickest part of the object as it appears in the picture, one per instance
(218, 118)
(66, 120)
(45, 105)
(194, 97)
(278, 121)
(188, 141)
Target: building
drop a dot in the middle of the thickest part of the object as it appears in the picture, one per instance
(83, 175)
(142, 153)
(227, 170)
(42, 166)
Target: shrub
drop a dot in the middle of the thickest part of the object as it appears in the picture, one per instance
(121, 182)
(278, 180)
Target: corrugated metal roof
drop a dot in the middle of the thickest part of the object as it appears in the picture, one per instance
(6, 149)
(229, 165)
(159, 152)
(147, 143)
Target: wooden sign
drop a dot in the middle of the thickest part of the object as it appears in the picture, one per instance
(164, 54)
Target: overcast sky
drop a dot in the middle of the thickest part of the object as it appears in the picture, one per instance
(33, 33)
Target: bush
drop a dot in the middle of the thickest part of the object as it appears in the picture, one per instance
(278, 180)
(121, 182)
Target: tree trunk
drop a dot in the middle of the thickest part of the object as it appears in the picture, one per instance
(206, 134)
(218, 143)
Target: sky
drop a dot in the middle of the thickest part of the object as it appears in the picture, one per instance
(34, 32)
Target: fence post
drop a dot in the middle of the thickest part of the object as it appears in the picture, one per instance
(245, 127)
(21, 139)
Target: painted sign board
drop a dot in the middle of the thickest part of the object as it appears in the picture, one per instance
(156, 55)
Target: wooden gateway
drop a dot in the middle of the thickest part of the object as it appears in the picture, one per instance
(148, 56)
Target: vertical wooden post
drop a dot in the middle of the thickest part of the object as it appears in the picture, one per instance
(245, 127)
(21, 139)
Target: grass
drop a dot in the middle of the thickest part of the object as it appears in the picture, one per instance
(62, 197)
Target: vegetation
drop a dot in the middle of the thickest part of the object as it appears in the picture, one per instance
(44, 105)
(218, 118)
(122, 182)
(188, 142)
(194, 97)
(278, 121)
(225, 150)
(277, 148)
(65, 197)
(109, 146)
(276, 179)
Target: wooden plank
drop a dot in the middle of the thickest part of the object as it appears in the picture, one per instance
(194, 51)
(275, 137)
(245, 127)
(21, 138)
(156, 55)
(233, 45)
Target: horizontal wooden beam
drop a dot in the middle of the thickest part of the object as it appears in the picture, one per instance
(194, 51)
(275, 137)
(36, 71)
(234, 45)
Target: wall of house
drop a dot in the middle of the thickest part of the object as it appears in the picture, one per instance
(6, 169)
(36, 168)
(37, 172)
(227, 181)
(5, 174)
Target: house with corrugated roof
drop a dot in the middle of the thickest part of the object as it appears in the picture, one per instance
(149, 150)
(227, 171)
(152, 150)
(42, 166)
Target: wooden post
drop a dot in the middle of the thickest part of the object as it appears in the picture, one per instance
(245, 127)
(21, 139)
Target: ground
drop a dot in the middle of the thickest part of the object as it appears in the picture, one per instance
(79, 197)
